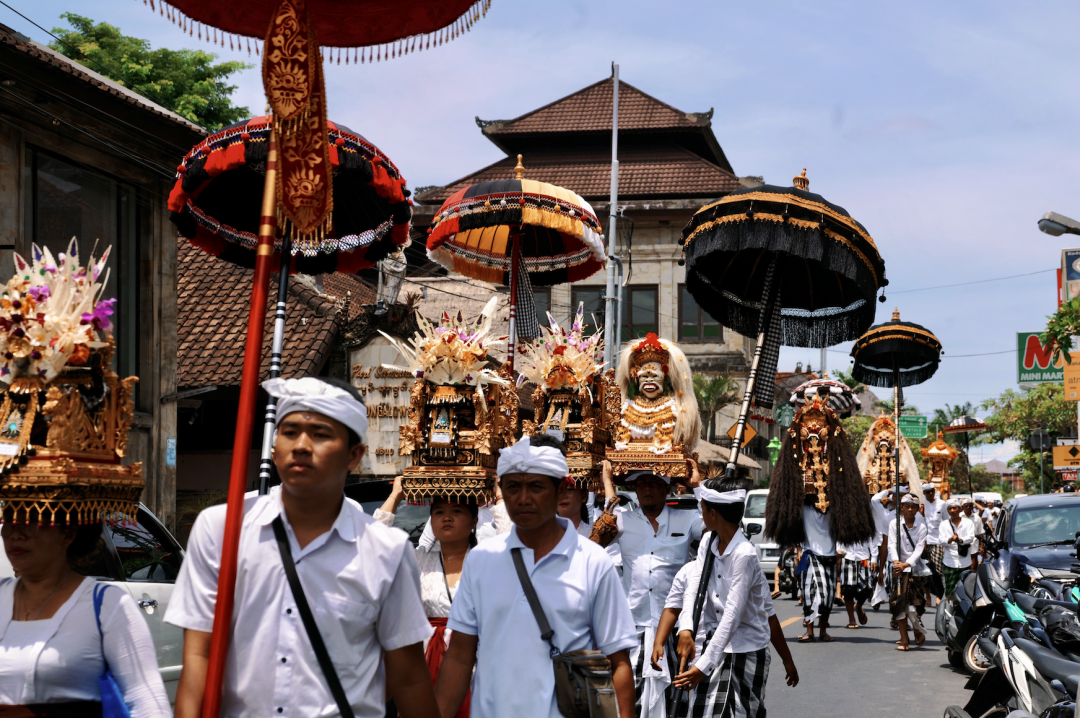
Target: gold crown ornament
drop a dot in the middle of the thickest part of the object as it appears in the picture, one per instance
(573, 400)
(460, 412)
(65, 416)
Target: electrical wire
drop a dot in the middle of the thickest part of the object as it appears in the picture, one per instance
(966, 284)
(106, 71)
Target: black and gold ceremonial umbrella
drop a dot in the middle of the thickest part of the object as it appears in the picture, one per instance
(896, 354)
(786, 266)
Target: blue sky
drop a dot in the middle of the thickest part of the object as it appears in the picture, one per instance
(947, 129)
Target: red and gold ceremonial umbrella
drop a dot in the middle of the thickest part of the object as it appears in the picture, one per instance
(518, 232)
(297, 185)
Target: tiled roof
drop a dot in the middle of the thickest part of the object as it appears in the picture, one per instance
(213, 298)
(51, 57)
(359, 292)
(589, 110)
(664, 171)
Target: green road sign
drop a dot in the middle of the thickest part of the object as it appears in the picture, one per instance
(913, 427)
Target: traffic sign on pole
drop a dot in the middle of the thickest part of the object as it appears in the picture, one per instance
(913, 427)
(1066, 457)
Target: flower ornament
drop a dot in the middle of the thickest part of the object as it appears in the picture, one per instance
(560, 359)
(52, 314)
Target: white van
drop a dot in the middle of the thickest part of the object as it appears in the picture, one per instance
(754, 513)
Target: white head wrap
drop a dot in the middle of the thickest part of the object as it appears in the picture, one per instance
(722, 497)
(311, 394)
(909, 499)
(928, 486)
(952, 502)
(524, 458)
(635, 475)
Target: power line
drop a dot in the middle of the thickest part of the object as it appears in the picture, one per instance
(81, 54)
(965, 284)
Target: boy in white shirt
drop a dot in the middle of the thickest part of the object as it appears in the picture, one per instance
(857, 567)
(736, 656)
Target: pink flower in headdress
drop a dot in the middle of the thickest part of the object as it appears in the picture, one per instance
(100, 318)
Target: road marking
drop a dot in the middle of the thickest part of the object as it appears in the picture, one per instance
(790, 621)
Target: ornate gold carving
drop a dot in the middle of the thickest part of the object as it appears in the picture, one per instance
(941, 457)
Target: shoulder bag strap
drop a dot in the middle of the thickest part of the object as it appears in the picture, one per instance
(99, 597)
(546, 631)
(309, 622)
(442, 565)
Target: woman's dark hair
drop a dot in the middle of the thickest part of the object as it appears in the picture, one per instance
(732, 513)
(85, 550)
(354, 438)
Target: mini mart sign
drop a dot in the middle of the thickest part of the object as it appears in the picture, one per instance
(1033, 361)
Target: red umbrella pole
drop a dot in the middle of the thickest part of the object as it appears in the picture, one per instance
(245, 420)
(515, 257)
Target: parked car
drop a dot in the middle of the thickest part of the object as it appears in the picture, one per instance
(754, 514)
(1034, 538)
(144, 559)
(371, 495)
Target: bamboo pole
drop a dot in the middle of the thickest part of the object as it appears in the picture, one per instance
(764, 322)
(245, 420)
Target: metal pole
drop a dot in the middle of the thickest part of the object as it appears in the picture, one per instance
(896, 453)
(610, 320)
(245, 420)
(967, 458)
(823, 361)
(618, 310)
(768, 297)
(1042, 471)
(276, 349)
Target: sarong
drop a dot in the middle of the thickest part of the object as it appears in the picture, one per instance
(818, 585)
(855, 580)
(434, 654)
(736, 688)
(907, 595)
(951, 577)
(652, 688)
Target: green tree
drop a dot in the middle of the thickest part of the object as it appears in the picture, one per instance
(713, 394)
(942, 418)
(1015, 415)
(188, 82)
(908, 410)
(1061, 327)
(845, 377)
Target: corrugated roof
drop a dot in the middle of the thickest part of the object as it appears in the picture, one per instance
(213, 299)
(664, 171)
(47, 55)
(589, 109)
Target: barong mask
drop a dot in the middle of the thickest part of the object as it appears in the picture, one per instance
(817, 468)
(940, 456)
(814, 436)
(663, 411)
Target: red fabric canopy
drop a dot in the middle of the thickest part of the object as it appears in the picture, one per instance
(338, 23)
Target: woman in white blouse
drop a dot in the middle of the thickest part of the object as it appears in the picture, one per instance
(51, 652)
(454, 526)
(956, 533)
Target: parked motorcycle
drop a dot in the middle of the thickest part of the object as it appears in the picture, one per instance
(789, 582)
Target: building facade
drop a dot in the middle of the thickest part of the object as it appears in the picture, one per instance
(81, 156)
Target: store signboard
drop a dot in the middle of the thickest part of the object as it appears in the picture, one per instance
(1070, 274)
(1033, 361)
(386, 393)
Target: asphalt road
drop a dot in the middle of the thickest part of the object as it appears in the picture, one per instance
(862, 673)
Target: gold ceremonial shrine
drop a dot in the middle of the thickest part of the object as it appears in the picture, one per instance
(83, 417)
(813, 427)
(880, 472)
(940, 457)
(584, 420)
(454, 437)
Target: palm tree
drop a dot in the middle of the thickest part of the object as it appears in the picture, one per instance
(713, 394)
(845, 377)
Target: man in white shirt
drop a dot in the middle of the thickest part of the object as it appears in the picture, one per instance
(655, 543)
(736, 654)
(956, 534)
(359, 578)
(934, 513)
(578, 589)
(968, 507)
(905, 560)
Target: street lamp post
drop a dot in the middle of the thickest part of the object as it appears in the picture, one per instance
(1056, 225)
